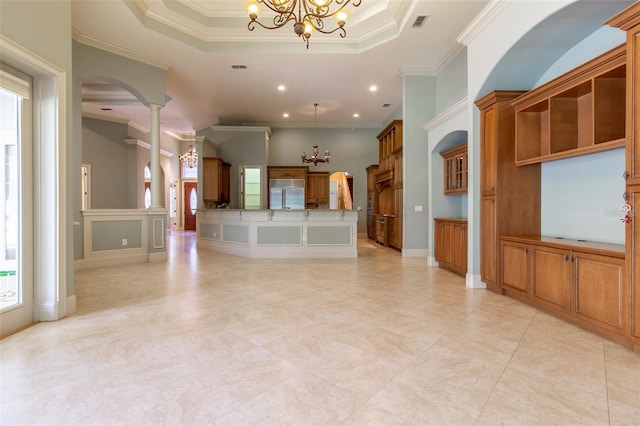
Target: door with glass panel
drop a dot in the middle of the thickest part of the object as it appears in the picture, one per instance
(16, 191)
(190, 205)
(250, 187)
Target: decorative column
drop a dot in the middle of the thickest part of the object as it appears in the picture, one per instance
(156, 185)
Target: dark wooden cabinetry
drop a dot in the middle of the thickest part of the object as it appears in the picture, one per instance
(455, 170)
(583, 282)
(505, 208)
(450, 241)
(389, 182)
(317, 188)
(372, 200)
(216, 180)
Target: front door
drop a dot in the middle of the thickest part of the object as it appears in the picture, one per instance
(190, 205)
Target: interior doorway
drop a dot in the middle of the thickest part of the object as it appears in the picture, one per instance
(190, 205)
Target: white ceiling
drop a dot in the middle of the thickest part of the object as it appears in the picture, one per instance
(197, 42)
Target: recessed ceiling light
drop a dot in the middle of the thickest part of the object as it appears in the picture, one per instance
(281, 88)
(285, 115)
(373, 88)
(356, 115)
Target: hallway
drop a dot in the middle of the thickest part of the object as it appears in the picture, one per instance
(212, 339)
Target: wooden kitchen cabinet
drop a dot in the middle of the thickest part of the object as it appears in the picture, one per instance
(372, 200)
(505, 208)
(287, 172)
(580, 112)
(580, 281)
(515, 274)
(629, 20)
(317, 188)
(216, 180)
(551, 278)
(450, 242)
(455, 170)
(388, 182)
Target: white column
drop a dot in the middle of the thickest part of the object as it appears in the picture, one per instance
(156, 184)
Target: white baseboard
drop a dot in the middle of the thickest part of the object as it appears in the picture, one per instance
(431, 261)
(49, 311)
(415, 252)
(474, 281)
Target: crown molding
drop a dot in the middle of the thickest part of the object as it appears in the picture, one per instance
(416, 71)
(219, 128)
(117, 50)
(147, 145)
(482, 21)
(447, 114)
(450, 56)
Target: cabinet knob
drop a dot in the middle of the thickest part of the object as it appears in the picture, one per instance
(625, 175)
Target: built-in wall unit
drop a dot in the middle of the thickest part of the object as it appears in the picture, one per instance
(551, 178)
(629, 21)
(387, 214)
(450, 231)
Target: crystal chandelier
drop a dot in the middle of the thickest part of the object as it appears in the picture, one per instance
(190, 157)
(315, 158)
(307, 15)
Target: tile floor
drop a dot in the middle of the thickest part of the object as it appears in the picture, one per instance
(211, 339)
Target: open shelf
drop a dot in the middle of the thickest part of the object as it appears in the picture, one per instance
(580, 112)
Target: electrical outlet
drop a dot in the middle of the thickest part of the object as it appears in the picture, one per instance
(124, 242)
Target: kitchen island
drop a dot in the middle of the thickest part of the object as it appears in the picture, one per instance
(279, 233)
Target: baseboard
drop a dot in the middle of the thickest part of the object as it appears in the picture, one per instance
(415, 252)
(49, 311)
(431, 261)
(474, 281)
(158, 257)
(110, 261)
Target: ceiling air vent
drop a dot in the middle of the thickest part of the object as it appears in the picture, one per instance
(419, 22)
(239, 67)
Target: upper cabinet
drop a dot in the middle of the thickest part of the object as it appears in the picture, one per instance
(455, 169)
(389, 144)
(580, 112)
(317, 188)
(216, 180)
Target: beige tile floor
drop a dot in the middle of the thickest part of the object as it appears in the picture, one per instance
(211, 339)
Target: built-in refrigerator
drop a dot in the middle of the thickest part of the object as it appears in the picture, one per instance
(286, 194)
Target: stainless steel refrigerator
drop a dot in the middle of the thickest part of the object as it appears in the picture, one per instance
(286, 194)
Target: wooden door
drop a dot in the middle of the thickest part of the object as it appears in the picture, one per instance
(488, 162)
(599, 297)
(514, 274)
(551, 278)
(488, 247)
(632, 250)
(438, 241)
(460, 247)
(190, 205)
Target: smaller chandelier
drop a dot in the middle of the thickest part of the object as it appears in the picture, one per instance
(307, 15)
(190, 157)
(315, 157)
